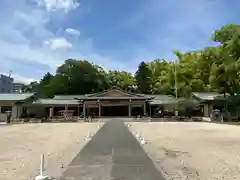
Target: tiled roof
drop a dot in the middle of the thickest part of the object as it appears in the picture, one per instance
(162, 99)
(56, 102)
(110, 98)
(14, 96)
(67, 97)
(207, 95)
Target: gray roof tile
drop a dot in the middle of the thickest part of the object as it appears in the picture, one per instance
(207, 95)
(14, 96)
(68, 97)
(56, 102)
(160, 99)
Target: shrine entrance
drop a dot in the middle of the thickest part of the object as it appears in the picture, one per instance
(115, 110)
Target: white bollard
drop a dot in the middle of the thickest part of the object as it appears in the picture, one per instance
(149, 119)
(88, 136)
(42, 176)
(138, 118)
(138, 135)
(143, 141)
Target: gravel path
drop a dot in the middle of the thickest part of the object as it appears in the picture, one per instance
(112, 154)
(192, 151)
(21, 146)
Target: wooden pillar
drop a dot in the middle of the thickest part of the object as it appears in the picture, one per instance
(99, 109)
(150, 110)
(144, 109)
(78, 113)
(129, 108)
(84, 109)
(51, 110)
(65, 110)
(206, 110)
(210, 109)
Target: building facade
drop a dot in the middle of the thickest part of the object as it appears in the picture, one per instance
(17, 87)
(13, 103)
(6, 83)
(113, 102)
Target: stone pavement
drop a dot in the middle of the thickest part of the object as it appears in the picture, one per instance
(112, 154)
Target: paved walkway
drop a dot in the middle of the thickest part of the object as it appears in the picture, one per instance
(112, 154)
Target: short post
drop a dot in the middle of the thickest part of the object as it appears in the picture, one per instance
(138, 117)
(143, 141)
(41, 176)
(88, 137)
(42, 165)
(138, 135)
(149, 119)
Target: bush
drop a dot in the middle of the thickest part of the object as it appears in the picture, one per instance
(36, 111)
(186, 108)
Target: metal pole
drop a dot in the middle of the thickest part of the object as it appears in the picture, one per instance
(176, 84)
(176, 90)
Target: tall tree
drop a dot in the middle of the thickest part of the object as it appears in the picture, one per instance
(43, 88)
(123, 80)
(225, 75)
(144, 78)
(82, 77)
(162, 76)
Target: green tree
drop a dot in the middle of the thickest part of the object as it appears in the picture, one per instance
(122, 79)
(81, 77)
(226, 33)
(43, 88)
(31, 88)
(162, 76)
(225, 75)
(187, 76)
(144, 78)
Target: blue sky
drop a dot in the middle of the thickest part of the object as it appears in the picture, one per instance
(36, 36)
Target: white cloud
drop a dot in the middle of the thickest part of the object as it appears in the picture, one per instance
(22, 34)
(58, 43)
(36, 19)
(52, 5)
(72, 31)
(20, 79)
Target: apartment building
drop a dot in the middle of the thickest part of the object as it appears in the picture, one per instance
(17, 87)
(6, 83)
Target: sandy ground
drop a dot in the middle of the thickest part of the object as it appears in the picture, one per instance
(192, 151)
(21, 147)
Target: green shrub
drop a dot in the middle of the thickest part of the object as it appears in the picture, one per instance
(36, 111)
(187, 108)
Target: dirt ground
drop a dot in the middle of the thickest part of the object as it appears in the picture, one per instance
(21, 146)
(192, 150)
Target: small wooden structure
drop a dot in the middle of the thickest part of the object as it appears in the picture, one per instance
(67, 114)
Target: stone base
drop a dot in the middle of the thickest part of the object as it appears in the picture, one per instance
(42, 177)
